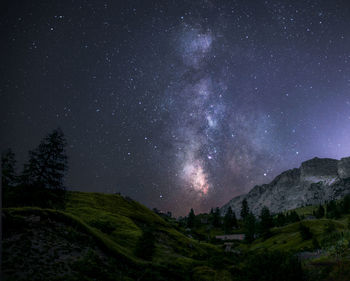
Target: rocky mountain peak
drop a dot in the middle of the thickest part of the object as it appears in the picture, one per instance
(319, 167)
(317, 180)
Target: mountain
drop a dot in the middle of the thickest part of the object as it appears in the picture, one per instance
(314, 182)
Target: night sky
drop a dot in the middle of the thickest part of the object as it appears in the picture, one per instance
(177, 104)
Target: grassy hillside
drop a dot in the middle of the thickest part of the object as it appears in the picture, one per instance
(116, 225)
(288, 238)
(127, 219)
(99, 237)
(44, 244)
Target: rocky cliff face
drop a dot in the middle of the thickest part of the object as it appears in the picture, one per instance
(316, 181)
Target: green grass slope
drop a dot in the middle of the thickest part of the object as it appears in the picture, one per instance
(126, 220)
(115, 224)
(288, 238)
(44, 244)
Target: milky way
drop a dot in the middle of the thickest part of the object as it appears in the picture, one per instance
(212, 136)
(178, 104)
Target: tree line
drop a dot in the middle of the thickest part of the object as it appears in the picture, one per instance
(260, 226)
(41, 181)
(214, 218)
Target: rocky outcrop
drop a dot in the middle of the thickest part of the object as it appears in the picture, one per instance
(316, 181)
(344, 168)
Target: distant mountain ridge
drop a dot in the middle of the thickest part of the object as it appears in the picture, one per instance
(314, 182)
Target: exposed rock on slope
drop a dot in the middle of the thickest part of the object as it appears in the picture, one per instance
(316, 181)
(40, 247)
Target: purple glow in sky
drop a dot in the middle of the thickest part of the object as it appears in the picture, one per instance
(177, 104)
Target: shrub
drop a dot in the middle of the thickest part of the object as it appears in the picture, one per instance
(320, 212)
(103, 225)
(146, 245)
(329, 228)
(271, 266)
(315, 243)
(305, 232)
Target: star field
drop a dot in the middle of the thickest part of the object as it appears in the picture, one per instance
(177, 104)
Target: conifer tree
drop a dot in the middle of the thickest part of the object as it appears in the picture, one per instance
(47, 164)
(216, 217)
(320, 212)
(280, 220)
(346, 204)
(191, 219)
(8, 173)
(244, 209)
(229, 220)
(266, 222)
(250, 227)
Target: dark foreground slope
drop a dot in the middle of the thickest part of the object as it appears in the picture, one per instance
(96, 237)
(47, 245)
(99, 237)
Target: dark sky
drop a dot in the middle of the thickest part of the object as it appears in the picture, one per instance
(177, 104)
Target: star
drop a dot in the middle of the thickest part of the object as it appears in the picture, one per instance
(205, 100)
